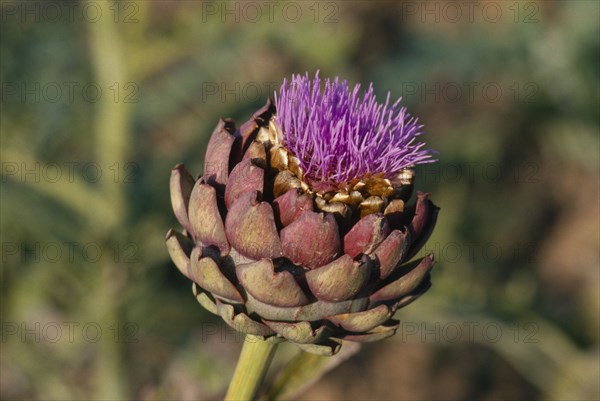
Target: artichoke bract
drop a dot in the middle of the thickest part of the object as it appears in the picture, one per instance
(300, 227)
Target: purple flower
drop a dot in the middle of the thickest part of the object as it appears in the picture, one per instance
(338, 135)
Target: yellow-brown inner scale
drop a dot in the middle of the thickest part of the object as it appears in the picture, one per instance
(370, 194)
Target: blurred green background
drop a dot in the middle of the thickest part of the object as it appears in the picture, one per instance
(100, 99)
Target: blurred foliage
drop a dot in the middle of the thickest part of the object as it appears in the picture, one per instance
(517, 181)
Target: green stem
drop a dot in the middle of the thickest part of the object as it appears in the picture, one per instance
(250, 371)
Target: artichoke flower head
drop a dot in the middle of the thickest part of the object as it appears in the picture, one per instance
(299, 228)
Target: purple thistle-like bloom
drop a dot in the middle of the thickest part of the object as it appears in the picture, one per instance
(339, 136)
(301, 227)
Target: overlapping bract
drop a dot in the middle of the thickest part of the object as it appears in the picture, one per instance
(278, 265)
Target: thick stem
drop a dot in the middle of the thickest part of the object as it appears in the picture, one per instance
(250, 371)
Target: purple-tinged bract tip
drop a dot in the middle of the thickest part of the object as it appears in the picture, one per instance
(339, 135)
